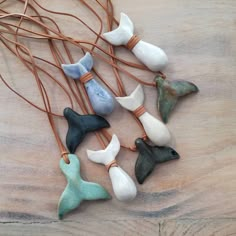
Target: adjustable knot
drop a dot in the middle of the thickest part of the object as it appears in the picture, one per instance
(64, 155)
(139, 111)
(111, 164)
(132, 42)
(86, 77)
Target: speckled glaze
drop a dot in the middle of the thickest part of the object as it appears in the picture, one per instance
(123, 186)
(77, 190)
(169, 92)
(150, 55)
(149, 157)
(101, 100)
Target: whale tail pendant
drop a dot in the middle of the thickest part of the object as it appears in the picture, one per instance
(101, 100)
(123, 186)
(150, 55)
(123, 33)
(169, 92)
(134, 100)
(75, 71)
(107, 155)
(79, 126)
(156, 131)
(149, 157)
(77, 190)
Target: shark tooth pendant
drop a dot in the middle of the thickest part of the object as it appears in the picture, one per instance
(156, 131)
(149, 157)
(79, 126)
(123, 186)
(169, 92)
(101, 100)
(150, 55)
(77, 190)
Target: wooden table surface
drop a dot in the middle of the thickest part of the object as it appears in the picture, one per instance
(195, 195)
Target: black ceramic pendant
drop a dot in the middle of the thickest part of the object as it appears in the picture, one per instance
(170, 92)
(80, 125)
(149, 157)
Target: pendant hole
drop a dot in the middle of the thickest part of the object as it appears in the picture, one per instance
(174, 153)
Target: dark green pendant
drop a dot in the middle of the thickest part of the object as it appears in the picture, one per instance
(80, 125)
(169, 93)
(149, 157)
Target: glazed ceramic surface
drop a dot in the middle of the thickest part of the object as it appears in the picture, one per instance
(79, 126)
(123, 186)
(77, 190)
(156, 131)
(149, 157)
(169, 92)
(150, 55)
(101, 100)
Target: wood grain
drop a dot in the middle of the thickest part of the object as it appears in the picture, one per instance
(195, 195)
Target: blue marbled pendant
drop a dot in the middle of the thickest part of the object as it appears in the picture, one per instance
(101, 100)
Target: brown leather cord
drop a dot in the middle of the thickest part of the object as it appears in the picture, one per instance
(132, 42)
(86, 77)
(139, 111)
(53, 33)
(80, 43)
(111, 164)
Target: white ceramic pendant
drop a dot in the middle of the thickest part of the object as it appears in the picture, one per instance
(123, 186)
(156, 131)
(150, 55)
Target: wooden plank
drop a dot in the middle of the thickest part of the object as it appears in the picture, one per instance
(195, 195)
(152, 227)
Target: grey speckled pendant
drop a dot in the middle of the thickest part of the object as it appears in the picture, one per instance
(169, 92)
(149, 157)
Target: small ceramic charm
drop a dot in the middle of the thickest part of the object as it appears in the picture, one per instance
(149, 157)
(101, 100)
(77, 189)
(123, 186)
(150, 55)
(156, 131)
(170, 92)
(80, 125)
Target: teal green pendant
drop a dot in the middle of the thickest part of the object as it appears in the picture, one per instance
(77, 189)
(170, 92)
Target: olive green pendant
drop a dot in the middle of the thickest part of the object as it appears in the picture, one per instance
(149, 157)
(170, 92)
(77, 189)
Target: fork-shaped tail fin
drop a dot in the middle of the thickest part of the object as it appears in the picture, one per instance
(77, 190)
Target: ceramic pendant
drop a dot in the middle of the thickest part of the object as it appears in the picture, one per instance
(150, 55)
(156, 131)
(123, 186)
(101, 100)
(77, 190)
(80, 125)
(149, 157)
(170, 92)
